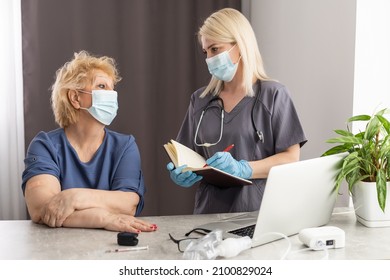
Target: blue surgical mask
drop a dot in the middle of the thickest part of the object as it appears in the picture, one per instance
(221, 66)
(104, 105)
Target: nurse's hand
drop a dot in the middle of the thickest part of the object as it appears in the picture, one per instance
(184, 179)
(225, 162)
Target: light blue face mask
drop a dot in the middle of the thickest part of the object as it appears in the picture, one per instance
(104, 105)
(221, 66)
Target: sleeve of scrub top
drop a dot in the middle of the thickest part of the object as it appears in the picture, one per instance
(287, 127)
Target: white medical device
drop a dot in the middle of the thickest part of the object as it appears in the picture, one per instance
(320, 238)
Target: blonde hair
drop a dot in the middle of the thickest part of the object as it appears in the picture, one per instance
(77, 74)
(230, 26)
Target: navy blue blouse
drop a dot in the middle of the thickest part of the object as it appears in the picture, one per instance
(115, 166)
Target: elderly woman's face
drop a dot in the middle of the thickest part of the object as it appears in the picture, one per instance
(101, 80)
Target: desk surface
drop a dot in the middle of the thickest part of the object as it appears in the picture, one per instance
(25, 240)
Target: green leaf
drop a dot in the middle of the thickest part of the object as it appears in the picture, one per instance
(343, 132)
(337, 150)
(383, 112)
(360, 135)
(385, 123)
(359, 118)
(350, 169)
(381, 189)
(384, 151)
(346, 140)
(373, 127)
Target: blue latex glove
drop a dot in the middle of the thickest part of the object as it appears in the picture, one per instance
(184, 179)
(225, 162)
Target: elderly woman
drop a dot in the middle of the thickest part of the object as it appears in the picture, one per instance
(83, 174)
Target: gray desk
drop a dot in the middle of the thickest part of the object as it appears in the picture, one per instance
(24, 240)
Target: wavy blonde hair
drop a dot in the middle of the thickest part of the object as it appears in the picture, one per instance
(77, 74)
(230, 26)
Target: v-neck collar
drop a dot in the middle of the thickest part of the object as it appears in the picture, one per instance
(237, 109)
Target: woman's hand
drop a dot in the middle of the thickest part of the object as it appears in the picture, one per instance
(184, 179)
(122, 222)
(225, 162)
(59, 207)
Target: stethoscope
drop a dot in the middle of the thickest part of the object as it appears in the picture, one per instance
(209, 105)
(259, 133)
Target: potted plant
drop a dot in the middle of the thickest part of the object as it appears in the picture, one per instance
(366, 167)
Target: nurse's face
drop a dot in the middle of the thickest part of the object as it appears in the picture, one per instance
(211, 48)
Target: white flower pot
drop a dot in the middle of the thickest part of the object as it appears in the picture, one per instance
(365, 202)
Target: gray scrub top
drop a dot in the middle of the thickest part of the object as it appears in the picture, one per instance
(274, 115)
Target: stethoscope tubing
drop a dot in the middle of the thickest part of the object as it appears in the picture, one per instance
(259, 133)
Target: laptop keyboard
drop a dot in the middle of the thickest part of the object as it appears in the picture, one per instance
(245, 231)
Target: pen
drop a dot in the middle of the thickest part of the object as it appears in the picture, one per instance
(128, 249)
(227, 149)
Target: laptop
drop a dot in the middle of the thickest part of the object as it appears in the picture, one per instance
(297, 195)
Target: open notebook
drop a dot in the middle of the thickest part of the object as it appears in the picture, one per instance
(297, 195)
(182, 155)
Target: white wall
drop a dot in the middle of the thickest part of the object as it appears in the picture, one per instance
(372, 59)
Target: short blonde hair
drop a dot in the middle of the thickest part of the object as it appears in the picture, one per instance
(230, 26)
(77, 74)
